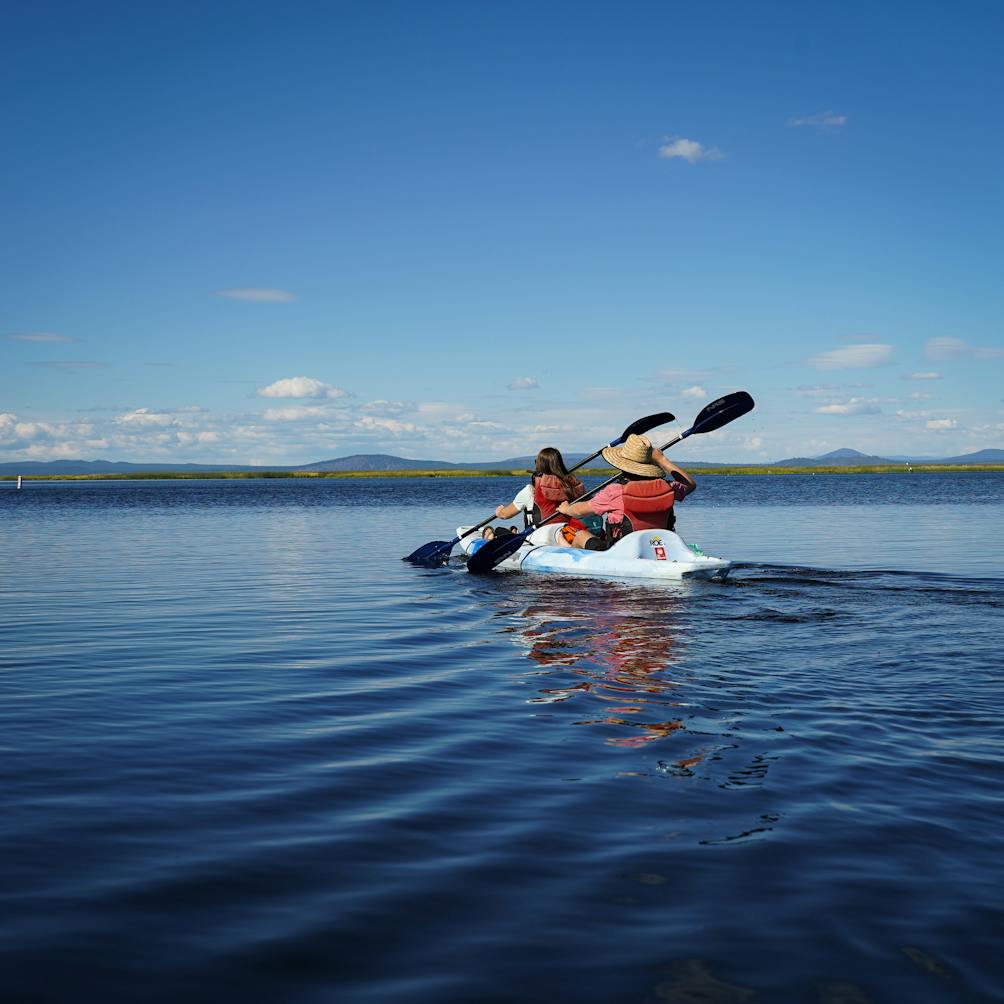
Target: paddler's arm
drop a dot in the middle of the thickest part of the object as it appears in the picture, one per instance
(576, 509)
(672, 471)
(506, 511)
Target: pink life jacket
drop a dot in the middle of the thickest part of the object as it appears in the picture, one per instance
(648, 504)
(549, 490)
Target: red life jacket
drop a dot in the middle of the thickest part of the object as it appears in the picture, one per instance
(549, 491)
(648, 504)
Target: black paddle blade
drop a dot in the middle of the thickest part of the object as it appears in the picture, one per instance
(494, 552)
(433, 553)
(721, 412)
(642, 426)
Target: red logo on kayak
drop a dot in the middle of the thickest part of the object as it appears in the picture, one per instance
(660, 553)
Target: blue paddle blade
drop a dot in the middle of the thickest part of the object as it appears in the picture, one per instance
(436, 552)
(493, 552)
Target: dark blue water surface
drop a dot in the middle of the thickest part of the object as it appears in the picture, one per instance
(250, 754)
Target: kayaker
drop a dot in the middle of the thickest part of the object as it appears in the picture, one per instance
(643, 497)
(550, 484)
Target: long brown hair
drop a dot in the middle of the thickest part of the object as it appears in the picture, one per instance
(550, 461)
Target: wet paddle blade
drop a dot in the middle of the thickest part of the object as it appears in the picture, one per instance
(434, 553)
(494, 552)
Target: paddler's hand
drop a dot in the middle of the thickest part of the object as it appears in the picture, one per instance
(565, 509)
(498, 512)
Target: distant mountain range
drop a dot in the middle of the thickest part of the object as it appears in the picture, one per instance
(852, 458)
(386, 462)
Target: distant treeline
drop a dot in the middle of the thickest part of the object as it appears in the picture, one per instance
(596, 471)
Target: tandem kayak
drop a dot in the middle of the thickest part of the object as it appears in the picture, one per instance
(644, 554)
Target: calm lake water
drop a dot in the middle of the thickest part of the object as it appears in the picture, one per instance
(250, 754)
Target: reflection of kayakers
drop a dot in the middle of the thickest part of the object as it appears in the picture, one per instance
(551, 484)
(643, 497)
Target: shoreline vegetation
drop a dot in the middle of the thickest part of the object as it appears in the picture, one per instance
(474, 473)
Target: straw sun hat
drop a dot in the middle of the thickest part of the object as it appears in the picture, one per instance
(635, 457)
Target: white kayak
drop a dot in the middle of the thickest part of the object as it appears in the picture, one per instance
(644, 554)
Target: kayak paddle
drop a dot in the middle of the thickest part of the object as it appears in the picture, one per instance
(713, 416)
(437, 551)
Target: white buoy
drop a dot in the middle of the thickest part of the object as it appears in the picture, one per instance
(19, 481)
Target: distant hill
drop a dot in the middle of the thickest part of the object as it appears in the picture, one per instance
(377, 462)
(980, 457)
(836, 458)
(852, 458)
(374, 462)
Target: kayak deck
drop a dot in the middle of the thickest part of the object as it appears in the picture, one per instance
(644, 554)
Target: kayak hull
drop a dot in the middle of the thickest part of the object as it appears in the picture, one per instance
(644, 554)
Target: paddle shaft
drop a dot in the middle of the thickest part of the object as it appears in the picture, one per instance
(581, 463)
(713, 416)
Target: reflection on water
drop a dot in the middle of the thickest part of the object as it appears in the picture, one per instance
(613, 648)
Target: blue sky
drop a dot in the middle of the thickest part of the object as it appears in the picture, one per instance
(265, 233)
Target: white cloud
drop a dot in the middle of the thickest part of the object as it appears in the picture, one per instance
(293, 414)
(40, 336)
(941, 424)
(855, 406)
(821, 120)
(687, 149)
(924, 376)
(956, 348)
(695, 393)
(145, 418)
(852, 357)
(524, 383)
(918, 396)
(440, 408)
(370, 424)
(301, 386)
(381, 407)
(256, 295)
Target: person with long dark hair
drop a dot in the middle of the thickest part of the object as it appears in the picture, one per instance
(550, 485)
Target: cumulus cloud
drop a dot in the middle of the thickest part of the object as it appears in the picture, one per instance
(687, 149)
(852, 357)
(695, 393)
(929, 375)
(956, 348)
(855, 406)
(440, 408)
(256, 295)
(39, 336)
(524, 383)
(381, 407)
(145, 418)
(942, 424)
(821, 120)
(299, 387)
(293, 414)
(368, 423)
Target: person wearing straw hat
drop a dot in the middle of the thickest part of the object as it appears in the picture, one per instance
(643, 497)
